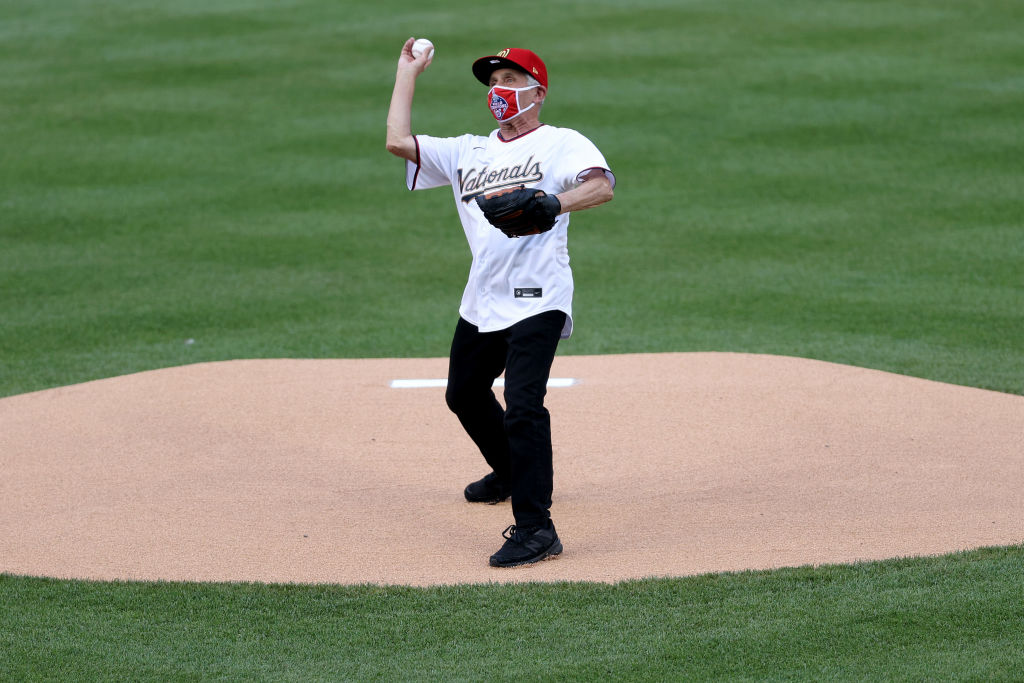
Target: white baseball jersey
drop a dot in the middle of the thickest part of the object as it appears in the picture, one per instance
(511, 278)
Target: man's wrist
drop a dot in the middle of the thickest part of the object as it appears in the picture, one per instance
(407, 72)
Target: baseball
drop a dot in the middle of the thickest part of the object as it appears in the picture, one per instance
(420, 46)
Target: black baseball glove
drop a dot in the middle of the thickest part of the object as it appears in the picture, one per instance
(518, 211)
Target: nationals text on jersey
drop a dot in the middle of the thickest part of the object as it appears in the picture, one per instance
(474, 182)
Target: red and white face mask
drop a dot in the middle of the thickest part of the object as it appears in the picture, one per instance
(504, 102)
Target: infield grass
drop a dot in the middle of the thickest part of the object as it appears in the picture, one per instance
(837, 179)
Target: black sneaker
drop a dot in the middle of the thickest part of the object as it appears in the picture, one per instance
(526, 545)
(487, 490)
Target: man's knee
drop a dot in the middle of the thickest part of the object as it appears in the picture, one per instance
(453, 398)
(461, 399)
(525, 416)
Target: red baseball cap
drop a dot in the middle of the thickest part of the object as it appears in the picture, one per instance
(511, 58)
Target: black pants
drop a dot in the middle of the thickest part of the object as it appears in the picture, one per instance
(516, 441)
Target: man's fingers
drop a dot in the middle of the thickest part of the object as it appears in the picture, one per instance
(407, 48)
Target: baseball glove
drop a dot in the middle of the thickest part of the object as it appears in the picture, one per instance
(518, 211)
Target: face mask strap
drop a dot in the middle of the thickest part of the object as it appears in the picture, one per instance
(521, 111)
(515, 91)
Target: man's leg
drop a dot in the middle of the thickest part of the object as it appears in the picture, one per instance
(531, 350)
(476, 360)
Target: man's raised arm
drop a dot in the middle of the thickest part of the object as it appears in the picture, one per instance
(400, 141)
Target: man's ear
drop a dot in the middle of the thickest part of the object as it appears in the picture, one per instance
(542, 94)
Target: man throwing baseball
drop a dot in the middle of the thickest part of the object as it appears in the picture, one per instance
(514, 190)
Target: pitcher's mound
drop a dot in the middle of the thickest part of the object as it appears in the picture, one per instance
(665, 465)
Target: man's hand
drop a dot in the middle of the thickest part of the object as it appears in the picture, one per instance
(416, 65)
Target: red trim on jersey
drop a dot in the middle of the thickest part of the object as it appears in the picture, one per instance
(520, 136)
(607, 173)
(417, 173)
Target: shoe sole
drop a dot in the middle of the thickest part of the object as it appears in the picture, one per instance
(551, 553)
(489, 501)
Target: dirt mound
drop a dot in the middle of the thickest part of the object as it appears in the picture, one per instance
(665, 465)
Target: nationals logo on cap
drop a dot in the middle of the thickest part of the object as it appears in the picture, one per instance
(511, 58)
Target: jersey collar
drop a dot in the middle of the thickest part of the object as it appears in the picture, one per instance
(522, 135)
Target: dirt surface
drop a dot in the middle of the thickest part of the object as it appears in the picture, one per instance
(665, 465)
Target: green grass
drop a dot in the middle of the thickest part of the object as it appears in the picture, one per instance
(952, 617)
(835, 179)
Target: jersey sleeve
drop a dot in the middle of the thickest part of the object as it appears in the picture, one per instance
(580, 155)
(437, 161)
